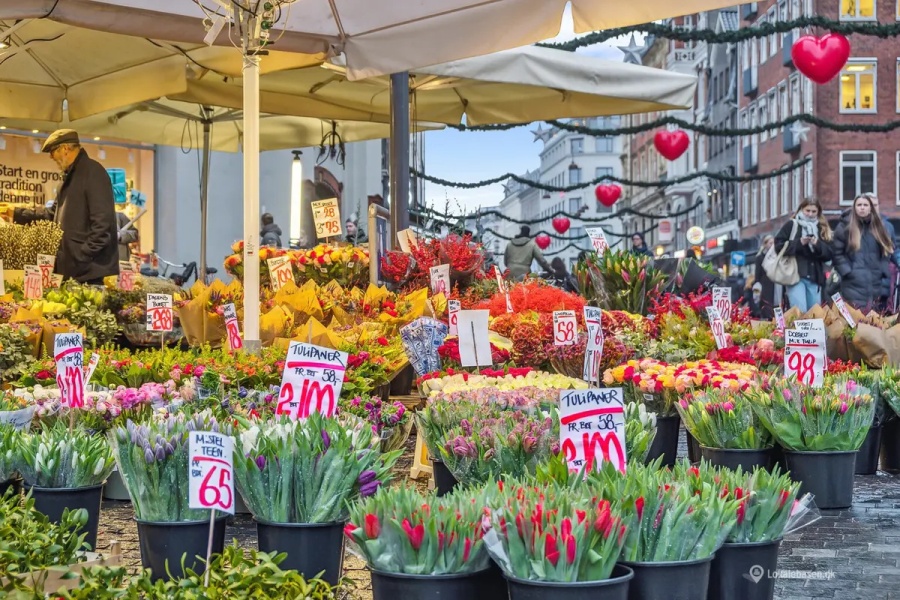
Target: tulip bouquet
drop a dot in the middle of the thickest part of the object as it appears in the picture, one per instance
(640, 430)
(400, 531)
(348, 265)
(835, 417)
(56, 457)
(619, 280)
(153, 463)
(547, 533)
(390, 421)
(307, 472)
(720, 418)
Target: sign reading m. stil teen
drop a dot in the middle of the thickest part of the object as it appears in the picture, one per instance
(592, 428)
(211, 471)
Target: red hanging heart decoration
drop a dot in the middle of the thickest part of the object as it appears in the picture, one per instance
(822, 58)
(671, 144)
(542, 240)
(561, 225)
(607, 194)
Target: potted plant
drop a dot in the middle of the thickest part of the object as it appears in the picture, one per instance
(297, 478)
(63, 469)
(554, 544)
(820, 430)
(153, 462)
(768, 510)
(889, 391)
(420, 547)
(9, 439)
(870, 451)
(729, 433)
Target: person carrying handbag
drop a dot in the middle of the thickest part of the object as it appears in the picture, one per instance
(807, 239)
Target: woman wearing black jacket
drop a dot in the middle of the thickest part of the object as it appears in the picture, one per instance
(809, 238)
(862, 252)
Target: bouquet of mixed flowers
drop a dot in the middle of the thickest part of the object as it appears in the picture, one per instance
(835, 417)
(619, 280)
(399, 531)
(347, 265)
(56, 457)
(390, 421)
(719, 418)
(307, 472)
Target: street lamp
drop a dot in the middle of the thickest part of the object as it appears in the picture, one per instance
(296, 197)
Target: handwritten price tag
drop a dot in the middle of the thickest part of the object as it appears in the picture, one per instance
(68, 352)
(501, 286)
(45, 263)
(593, 352)
(453, 308)
(717, 326)
(280, 272)
(327, 218)
(159, 312)
(721, 297)
(91, 367)
(598, 239)
(779, 319)
(312, 381)
(592, 428)
(804, 356)
(842, 308)
(34, 283)
(211, 471)
(231, 327)
(126, 276)
(440, 280)
(563, 327)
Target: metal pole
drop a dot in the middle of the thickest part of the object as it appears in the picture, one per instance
(204, 190)
(251, 202)
(399, 154)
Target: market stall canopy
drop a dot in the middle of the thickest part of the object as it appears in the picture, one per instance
(378, 37)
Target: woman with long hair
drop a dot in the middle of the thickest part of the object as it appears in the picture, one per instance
(560, 276)
(862, 252)
(809, 239)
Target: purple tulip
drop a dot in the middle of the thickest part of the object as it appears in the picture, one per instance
(148, 456)
(325, 439)
(160, 453)
(261, 462)
(367, 476)
(369, 488)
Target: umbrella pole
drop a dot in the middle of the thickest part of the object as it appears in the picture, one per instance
(204, 195)
(399, 154)
(251, 203)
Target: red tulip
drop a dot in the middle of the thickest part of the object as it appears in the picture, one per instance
(415, 534)
(551, 551)
(570, 549)
(639, 505)
(372, 526)
(467, 549)
(349, 528)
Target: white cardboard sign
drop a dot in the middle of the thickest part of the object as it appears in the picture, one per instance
(231, 327)
(312, 380)
(474, 340)
(68, 352)
(211, 471)
(159, 312)
(327, 218)
(440, 280)
(804, 356)
(593, 353)
(453, 308)
(592, 428)
(721, 297)
(564, 327)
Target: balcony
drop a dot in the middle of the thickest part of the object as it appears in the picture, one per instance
(749, 10)
(786, 58)
(790, 142)
(751, 160)
(750, 81)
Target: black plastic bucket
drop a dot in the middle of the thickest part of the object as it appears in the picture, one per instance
(311, 548)
(675, 580)
(826, 475)
(400, 586)
(401, 384)
(665, 443)
(614, 588)
(890, 445)
(867, 456)
(734, 458)
(444, 481)
(14, 484)
(744, 571)
(53, 501)
(165, 543)
(693, 448)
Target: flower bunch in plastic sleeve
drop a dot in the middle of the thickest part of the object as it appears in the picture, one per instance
(834, 417)
(400, 531)
(720, 418)
(390, 421)
(548, 533)
(769, 508)
(264, 467)
(56, 457)
(153, 462)
(640, 430)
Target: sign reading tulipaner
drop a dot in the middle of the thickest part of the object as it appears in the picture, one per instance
(592, 428)
(68, 352)
(312, 381)
(211, 471)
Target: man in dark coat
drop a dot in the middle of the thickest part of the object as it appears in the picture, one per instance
(85, 211)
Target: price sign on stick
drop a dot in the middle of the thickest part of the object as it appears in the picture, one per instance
(231, 327)
(440, 280)
(34, 286)
(592, 428)
(280, 272)
(211, 471)
(563, 327)
(717, 326)
(598, 239)
(779, 319)
(68, 352)
(593, 353)
(159, 312)
(91, 367)
(45, 263)
(2, 280)
(474, 339)
(312, 381)
(327, 217)
(453, 308)
(501, 286)
(721, 297)
(842, 308)
(126, 276)
(804, 356)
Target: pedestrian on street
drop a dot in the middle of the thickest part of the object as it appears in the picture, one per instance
(520, 253)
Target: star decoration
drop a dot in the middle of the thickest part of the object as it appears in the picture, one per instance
(800, 131)
(632, 52)
(541, 134)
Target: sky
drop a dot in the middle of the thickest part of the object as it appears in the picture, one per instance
(477, 155)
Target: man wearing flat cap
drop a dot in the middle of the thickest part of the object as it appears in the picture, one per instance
(85, 211)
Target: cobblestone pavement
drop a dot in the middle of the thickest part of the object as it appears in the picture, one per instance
(849, 555)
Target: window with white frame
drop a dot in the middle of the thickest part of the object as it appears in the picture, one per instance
(754, 202)
(808, 95)
(857, 10)
(745, 55)
(774, 197)
(796, 190)
(754, 56)
(763, 118)
(898, 73)
(764, 200)
(795, 94)
(602, 172)
(783, 100)
(898, 18)
(858, 170)
(577, 145)
(604, 144)
(858, 85)
(898, 171)
(574, 205)
(763, 41)
(808, 8)
(745, 205)
(754, 139)
(574, 176)
(808, 181)
(745, 123)
(785, 191)
(772, 97)
(773, 37)
(795, 14)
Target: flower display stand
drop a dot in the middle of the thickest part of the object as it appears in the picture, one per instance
(421, 463)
